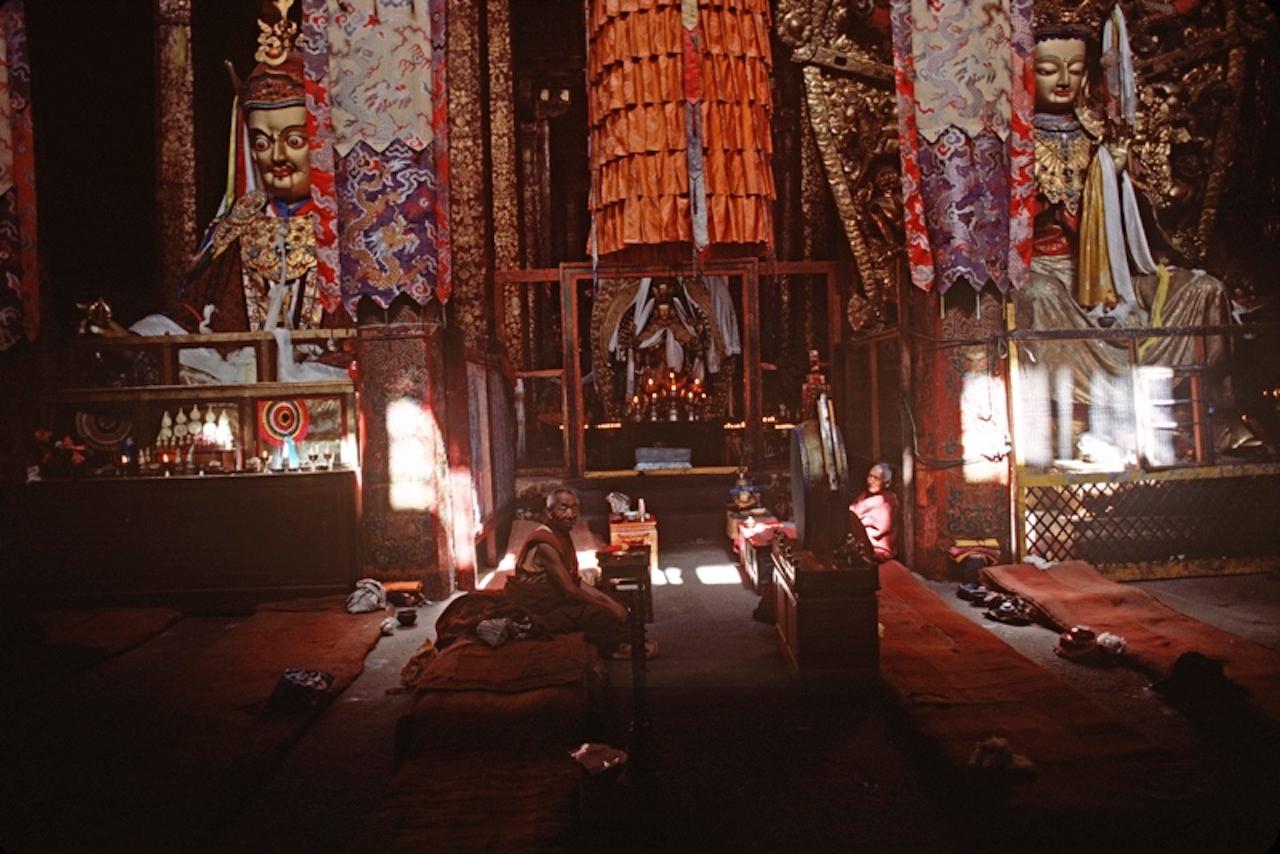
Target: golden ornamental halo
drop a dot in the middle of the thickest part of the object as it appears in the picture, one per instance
(276, 40)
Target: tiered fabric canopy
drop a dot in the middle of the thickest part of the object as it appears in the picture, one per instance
(679, 108)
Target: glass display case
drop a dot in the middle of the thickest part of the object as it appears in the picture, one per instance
(123, 425)
(160, 491)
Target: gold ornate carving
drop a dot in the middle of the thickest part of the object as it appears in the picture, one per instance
(855, 129)
(467, 201)
(1062, 162)
(852, 122)
(277, 39)
(836, 34)
(502, 139)
(260, 238)
(175, 136)
(813, 188)
(513, 326)
(1191, 71)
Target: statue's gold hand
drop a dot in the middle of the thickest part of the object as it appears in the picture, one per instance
(1120, 154)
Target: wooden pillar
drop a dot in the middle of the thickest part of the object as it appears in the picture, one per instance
(175, 144)
(469, 227)
(404, 463)
(469, 327)
(502, 138)
(954, 491)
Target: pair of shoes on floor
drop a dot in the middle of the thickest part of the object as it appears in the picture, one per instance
(972, 592)
(1010, 610)
(623, 652)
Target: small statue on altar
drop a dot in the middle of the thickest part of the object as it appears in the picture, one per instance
(744, 495)
(1088, 234)
(670, 331)
(673, 342)
(815, 385)
(665, 342)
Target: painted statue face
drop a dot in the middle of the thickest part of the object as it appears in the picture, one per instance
(280, 151)
(1060, 70)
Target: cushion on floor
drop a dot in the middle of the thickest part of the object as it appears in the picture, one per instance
(528, 698)
(525, 805)
(1075, 593)
(960, 684)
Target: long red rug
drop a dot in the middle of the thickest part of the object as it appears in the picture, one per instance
(1074, 593)
(57, 643)
(152, 749)
(959, 684)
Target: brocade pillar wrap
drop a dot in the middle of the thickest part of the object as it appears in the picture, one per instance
(377, 114)
(679, 109)
(404, 465)
(19, 276)
(965, 85)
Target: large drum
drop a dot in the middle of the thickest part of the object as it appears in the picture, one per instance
(819, 482)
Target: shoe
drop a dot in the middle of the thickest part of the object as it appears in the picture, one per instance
(1011, 612)
(623, 652)
(971, 591)
(990, 599)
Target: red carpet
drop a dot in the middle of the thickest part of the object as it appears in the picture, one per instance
(151, 749)
(1074, 593)
(960, 684)
(518, 805)
(57, 644)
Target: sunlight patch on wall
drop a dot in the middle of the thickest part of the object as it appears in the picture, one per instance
(984, 435)
(412, 438)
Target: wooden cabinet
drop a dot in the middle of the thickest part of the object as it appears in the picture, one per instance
(150, 537)
(826, 618)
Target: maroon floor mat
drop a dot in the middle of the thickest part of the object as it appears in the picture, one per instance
(1074, 593)
(58, 643)
(525, 805)
(152, 748)
(959, 684)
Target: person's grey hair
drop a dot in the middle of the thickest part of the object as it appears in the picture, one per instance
(559, 490)
(886, 473)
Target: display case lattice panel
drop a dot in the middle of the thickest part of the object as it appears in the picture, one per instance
(1155, 520)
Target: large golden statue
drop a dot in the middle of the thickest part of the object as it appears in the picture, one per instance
(256, 268)
(1092, 266)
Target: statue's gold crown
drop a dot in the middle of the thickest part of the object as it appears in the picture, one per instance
(1069, 19)
(276, 40)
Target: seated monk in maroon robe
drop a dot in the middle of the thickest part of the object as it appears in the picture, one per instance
(877, 510)
(546, 588)
(547, 585)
